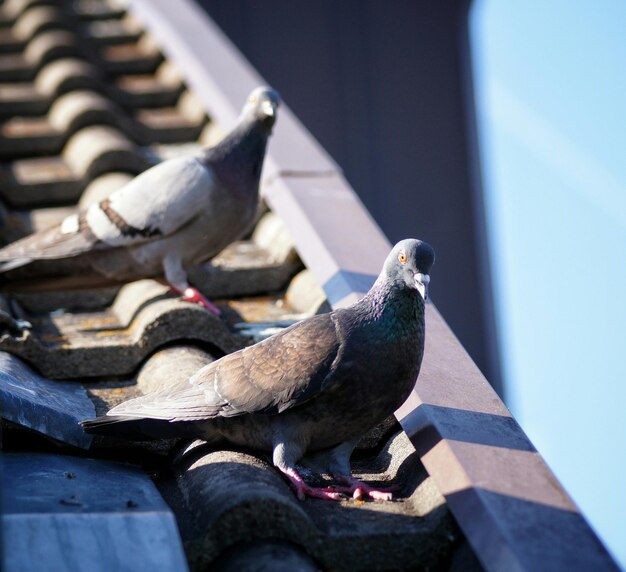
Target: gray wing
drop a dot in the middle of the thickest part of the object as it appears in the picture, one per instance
(55, 242)
(272, 376)
(157, 203)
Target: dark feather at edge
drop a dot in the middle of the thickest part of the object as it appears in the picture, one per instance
(140, 429)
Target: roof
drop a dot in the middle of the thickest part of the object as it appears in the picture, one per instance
(115, 106)
(121, 90)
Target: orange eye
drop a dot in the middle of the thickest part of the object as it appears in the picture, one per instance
(402, 258)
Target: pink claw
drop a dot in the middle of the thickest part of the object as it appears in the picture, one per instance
(192, 294)
(303, 490)
(359, 490)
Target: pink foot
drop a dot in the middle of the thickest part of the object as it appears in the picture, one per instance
(192, 294)
(359, 489)
(303, 490)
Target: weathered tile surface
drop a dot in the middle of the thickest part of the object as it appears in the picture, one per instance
(114, 341)
(53, 408)
(222, 498)
(67, 513)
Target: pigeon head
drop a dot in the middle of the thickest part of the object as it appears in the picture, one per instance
(262, 105)
(409, 264)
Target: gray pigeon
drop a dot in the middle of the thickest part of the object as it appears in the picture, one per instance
(179, 213)
(313, 389)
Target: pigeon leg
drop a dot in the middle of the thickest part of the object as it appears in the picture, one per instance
(191, 294)
(176, 277)
(284, 457)
(337, 462)
(303, 490)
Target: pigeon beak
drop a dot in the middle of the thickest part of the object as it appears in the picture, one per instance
(268, 108)
(421, 283)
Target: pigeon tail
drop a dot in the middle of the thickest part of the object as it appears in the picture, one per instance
(7, 265)
(139, 429)
(109, 425)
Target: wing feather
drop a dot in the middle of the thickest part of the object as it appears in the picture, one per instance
(158, 202)
(70, 238)
(272, 376)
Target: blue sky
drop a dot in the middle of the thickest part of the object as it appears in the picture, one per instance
(550, 81)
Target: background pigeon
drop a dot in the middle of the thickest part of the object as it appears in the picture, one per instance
(179, 213)
(314, 388)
